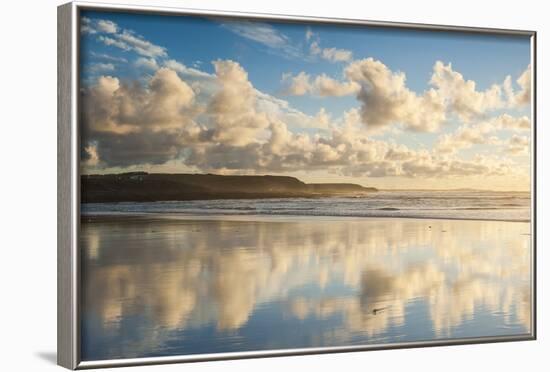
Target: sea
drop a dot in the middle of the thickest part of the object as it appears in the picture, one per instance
(468, 205)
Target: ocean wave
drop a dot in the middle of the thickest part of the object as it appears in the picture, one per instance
(488, 207)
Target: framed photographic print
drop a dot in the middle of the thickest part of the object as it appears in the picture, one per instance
(236, 185)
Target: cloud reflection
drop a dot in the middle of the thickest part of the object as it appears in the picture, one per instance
(372, 274)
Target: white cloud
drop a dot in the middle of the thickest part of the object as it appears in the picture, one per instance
(127, 40)
(322, 118)
(506, 121)
(124, 39)
(112, 42)
(371, 268)
(523, 96)
(480, 133)
(326, 86)
(107, 26)
(184, 70)
(130, 124)
(101, 67)
(265, 34)
(385, 99)
(298, 85)
(238, 129)
(86, 26)
(260, 32)
(337, 55)
(461, 96)
(140, 45)
(112, 107)
(465, 137)
(108, 57)
(175, 65)
(329, 54)
(147, 63)
(347, 150)
(281, 110)
(220, 122)
(232, 108)
(92, 26)
(322, 85)
(518, 145)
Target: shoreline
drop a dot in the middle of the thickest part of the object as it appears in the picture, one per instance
(98, 216)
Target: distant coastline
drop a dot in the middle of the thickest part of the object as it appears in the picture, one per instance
(144, 187)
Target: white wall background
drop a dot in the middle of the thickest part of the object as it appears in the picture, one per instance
(28, 185)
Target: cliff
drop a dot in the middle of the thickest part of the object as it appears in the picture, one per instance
(141, 186)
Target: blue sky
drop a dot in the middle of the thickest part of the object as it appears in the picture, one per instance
(273, 54)
(486, 59)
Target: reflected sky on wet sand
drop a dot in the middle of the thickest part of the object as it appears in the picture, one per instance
(179, 286)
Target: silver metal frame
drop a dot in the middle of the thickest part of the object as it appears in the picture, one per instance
(68, 189)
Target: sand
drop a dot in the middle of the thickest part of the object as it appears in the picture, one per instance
(172, 285)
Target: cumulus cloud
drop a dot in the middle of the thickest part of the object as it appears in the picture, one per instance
(461, 95)
(322, 85)
(464, 137)
(326, 86)
(238, 129)
(146, 147)
(347, 150)
(169, 99)
(517, 145)
(298, 85)
(431, 166)
(232, 108)
(506, 121)
(480, 133)
(523, 96)
(131, 124)
(385, 98)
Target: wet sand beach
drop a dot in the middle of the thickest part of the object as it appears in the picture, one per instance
(178, 285)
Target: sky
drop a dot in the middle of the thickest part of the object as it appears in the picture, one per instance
(384, 107)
